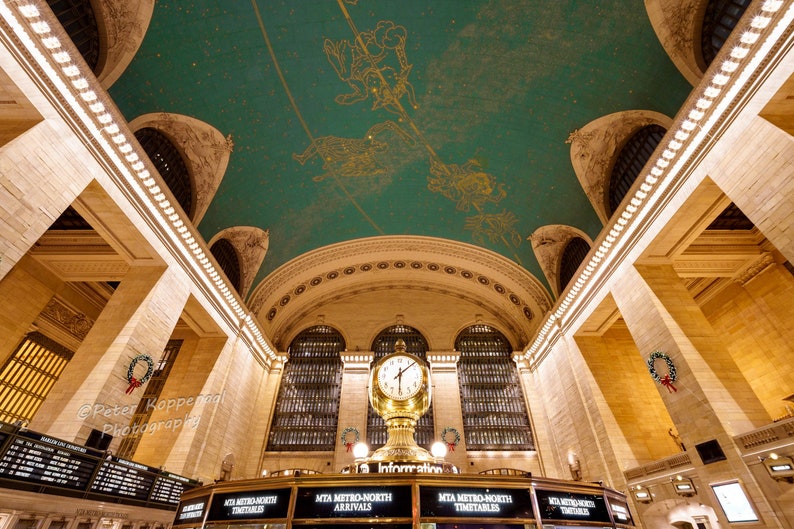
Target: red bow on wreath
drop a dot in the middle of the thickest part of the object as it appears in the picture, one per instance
(451, 446)
(667, 382)
(349, 446)
(134, 383)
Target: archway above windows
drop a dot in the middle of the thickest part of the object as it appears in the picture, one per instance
(549, 244)
(596, 146)
(204, 149)
(692, 32)
(250, 244)
(107, 33)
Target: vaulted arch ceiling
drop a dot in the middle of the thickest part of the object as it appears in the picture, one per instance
(354, 119)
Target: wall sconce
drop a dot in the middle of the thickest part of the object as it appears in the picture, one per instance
(575, 467)
(641, 494)
(684, 486)
(781, 468)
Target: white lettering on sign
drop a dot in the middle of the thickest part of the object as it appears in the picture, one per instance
(354, 501)
(620, 512)
(475, 502)
(192, 511)
(572, 506)
(249, 505)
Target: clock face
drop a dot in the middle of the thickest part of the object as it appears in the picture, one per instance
(400, 377)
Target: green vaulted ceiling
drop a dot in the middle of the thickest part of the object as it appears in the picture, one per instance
(444, 118)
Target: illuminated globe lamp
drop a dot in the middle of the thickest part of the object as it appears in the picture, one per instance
(399, 391)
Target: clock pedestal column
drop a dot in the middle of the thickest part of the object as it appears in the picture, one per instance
(401, 445)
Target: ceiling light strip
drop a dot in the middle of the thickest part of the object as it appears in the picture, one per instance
(643, 196)
(121, 152)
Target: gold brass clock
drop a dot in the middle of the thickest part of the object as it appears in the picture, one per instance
(400, 376)
(399, 390)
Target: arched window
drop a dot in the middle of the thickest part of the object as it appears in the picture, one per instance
(226, 255)
(731, 218)
(77, 18)
(383, 344)
(630, 161)
(572, 256)
(494, 412)
(307, 407)
(169, 163)
(719, 20)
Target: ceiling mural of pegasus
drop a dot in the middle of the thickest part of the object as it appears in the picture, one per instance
(358, 118)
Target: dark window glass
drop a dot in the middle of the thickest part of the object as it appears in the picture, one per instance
(226, 255)
(307, 407)
(732, 218)
(415, 344)
(77, 18)
(630, 161)
(494, 413)
(151, 394)
(719, 20)
(573, 255)
(170, 164)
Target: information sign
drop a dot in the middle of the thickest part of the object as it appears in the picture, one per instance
(620, 511)
(192, 511)
(249, 505)
(353, 502)
(475, 502)
(558, 505)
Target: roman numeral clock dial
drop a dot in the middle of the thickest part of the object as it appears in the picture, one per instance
(400, 377)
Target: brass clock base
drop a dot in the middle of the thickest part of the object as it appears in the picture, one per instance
(401, 445)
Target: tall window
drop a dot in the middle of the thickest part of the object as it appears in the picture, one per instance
(573, 255)
(307, 407)
(494, 413)
(718, 22)
(223, 251)
(383, 344)
(28, 376)
(630, 161)
(169, 163)
(151, 394)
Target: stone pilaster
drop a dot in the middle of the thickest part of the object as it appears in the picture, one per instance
(447, 411)
(353, 403)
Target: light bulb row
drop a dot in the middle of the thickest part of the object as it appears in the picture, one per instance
(660, 167)
(104, 125)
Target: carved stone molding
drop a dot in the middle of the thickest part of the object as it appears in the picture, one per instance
(676, 24)
(548, 243)
(755, 268)
(251, 244)
(440, 266)
(205, 150)
(595, 146)
(123, 25)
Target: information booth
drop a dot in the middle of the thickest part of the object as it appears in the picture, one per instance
(402, 501)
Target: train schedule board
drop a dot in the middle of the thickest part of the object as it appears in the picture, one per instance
(570, 506)
(249, 505)
(353, 502)
(37, 458)
(475, 502)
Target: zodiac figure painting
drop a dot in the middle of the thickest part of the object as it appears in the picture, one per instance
(374, 65)
(466, 184)
(351, 157)
(494, 227)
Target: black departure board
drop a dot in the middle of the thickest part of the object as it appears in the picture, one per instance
(120, 477)
(475, 502)
(37, 458)
(55, 464)
(558, 505)
(168, 488)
